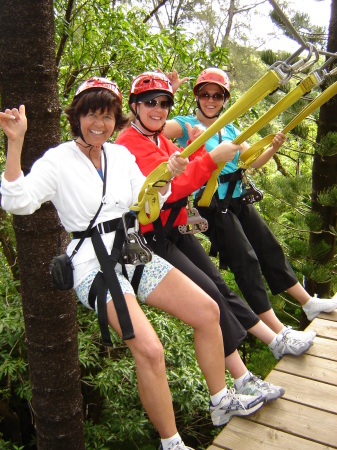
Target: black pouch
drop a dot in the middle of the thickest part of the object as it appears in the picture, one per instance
(61, 272)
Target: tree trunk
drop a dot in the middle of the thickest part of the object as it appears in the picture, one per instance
(324, 172)
(28, 75)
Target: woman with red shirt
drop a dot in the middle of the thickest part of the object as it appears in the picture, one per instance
(151, 98)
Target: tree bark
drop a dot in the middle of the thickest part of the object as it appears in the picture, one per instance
(28, 75)
(324, 172)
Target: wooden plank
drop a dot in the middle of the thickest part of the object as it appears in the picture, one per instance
(242, 434)
(324, 328)
(306, 392)
(306, 417)
(311, 367)
(299, 420)
(328, 316)
(323, 348)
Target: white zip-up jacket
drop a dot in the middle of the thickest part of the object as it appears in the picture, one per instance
(67, 178)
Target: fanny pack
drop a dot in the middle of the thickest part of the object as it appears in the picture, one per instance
(61, 272)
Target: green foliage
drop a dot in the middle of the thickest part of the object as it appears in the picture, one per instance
(15, 391)
(327, 145)
(111, 39)
(6, 445)
(269, 57)
(328, 197)
(314, 221)
(114, 415)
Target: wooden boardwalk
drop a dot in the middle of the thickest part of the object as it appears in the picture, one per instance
(305, 418)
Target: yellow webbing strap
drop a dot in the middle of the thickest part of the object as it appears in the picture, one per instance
(252, 153)
(159, 176)
(305, 86)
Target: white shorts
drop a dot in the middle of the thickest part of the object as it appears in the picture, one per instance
(152, 275)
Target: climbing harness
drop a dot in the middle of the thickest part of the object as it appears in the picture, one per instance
(128, 248)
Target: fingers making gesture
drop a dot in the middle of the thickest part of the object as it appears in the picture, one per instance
(14, 123)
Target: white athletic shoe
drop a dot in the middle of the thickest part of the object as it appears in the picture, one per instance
(316, 305)
(253, 385)
(180, 446)
(234, 404)
(288, 346)
(307, 336)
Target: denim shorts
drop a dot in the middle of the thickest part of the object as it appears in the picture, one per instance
(152, 275)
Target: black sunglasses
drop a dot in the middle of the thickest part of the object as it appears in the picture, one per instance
(164, 104)
(217, 96)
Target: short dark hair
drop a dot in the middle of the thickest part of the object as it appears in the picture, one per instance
(94, 100)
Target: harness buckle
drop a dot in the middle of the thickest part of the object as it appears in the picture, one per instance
(100, 228)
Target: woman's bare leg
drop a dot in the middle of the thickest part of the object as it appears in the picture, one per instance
(235, 365)
(270, 319)
(263, 332)
(148, 353)
(179, 296)
(299, 293)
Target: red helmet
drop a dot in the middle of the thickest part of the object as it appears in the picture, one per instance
(213, 75)
(149, 85)
(99, 83)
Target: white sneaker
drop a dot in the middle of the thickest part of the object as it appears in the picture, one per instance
(234, 404)
(288, 346)
(253, 385)
(316, 305)
(180, 446)
(307, 336)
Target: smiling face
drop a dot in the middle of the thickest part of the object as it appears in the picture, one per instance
(152, 114)
(211, 99)
(97, 127)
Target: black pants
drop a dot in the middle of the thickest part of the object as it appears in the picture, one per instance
(248, 247)
(187, 254)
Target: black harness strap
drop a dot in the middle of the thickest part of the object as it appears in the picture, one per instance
(137, 275)
(108, 264)
(161, 232)
(99, 289)
(232, 179)
(103, 228)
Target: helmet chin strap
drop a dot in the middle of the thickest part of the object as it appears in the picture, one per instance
(80, 134)
(152, 133)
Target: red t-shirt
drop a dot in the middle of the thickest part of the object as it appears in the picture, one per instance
(149, 156)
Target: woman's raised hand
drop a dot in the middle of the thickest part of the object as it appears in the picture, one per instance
(175, 80)
(194, 132)
(14, 123)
